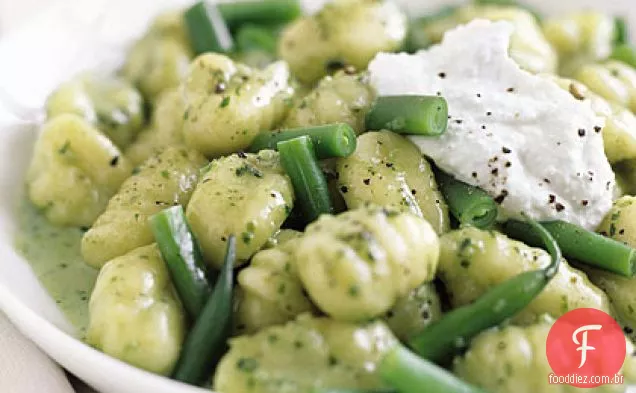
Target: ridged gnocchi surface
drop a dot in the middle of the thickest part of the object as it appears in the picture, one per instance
(472, 261)
(135, 314)
(613, 80)
(74, 171)
(343, 32)
(580, 38)
(356, 265)
(513, 359)
(160, 59)
(165, 129)
(619, 132)
(305, 354)
(272, 291)
(388, 170)
(342, 98)
(164, 180)
(528, 46)
(248, 195)
(228, 104)
(114, 106)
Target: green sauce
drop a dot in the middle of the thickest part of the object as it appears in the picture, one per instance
(54, 255)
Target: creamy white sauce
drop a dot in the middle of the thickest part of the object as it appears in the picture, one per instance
(520, 137)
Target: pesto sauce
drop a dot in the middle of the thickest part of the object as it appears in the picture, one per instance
(54, 255)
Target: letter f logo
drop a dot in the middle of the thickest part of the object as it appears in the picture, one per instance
(583, 344)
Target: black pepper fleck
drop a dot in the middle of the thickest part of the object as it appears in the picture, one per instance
(559, 207)
(552, 198)
(442, 75)
(114, 161)
(585, 202)
(510, 90)
(508, 164)
(475, 174)
(581, 132)
(499, 199)
(241, 154)
(495, 171)
(506, 150)
(414, 191)
(597, 129)
(488, 113)
(366, 181)
(344, 189)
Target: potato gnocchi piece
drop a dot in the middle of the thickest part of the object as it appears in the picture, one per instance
(580, 38)
(165, 180)
(388, 170)
(342, 98)
(513, 359)
(305, 354)
(414, 312)
(613, 80)
(160, 59)
(228, 104)
(619, 132)
(620, 221)
(622, 293)
(528, 46)
(356, 265)
(111, 104)
(135, 314)
(272, 291)
(74, 171)
(165, 129)
(248, 195)
(343, 32)
(473, 261)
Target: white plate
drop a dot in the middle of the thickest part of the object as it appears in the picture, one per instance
(62, 40)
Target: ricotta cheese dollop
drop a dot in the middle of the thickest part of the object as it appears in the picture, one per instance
(518, 136)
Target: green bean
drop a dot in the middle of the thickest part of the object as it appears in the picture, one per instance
(440, 340)
(259, 11)
(254, 37)
(417, 115)
(331, 140)
(310, 186)
(207, 341)
(182, 256)
(469, 205)
(417, 37)
(625, 53)
(582, 245)
(408, 373)
(206, 28)
(621, 35)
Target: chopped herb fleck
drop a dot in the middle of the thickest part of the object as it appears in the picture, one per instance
(247, 364)
(225, 102)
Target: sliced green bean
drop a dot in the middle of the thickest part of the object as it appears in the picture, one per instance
(625, 53)
(408, 373)
(260, 11)
(206, 28)
(181, 253)
(582, 245)
(440, 340)
(621, 35)
(207, 341)
(310, 186)
(415, 115)
(331, 140)
(253, 37)
(468, 204)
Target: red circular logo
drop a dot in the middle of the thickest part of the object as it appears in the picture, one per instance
(585, 348)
